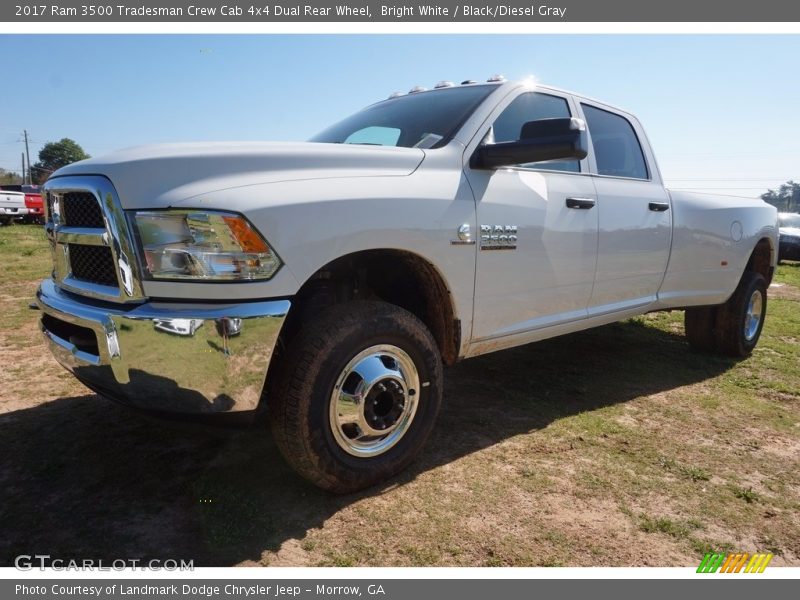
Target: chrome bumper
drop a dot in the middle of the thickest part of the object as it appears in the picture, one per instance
(165, 356)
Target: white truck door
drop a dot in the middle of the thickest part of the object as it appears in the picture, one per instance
(634, 213)
(537, 231)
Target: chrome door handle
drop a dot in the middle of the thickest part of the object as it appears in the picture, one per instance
(659, 206)
(581, 203)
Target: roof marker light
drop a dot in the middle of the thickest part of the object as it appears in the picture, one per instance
(443, 84)
(395, 95)
(417, 88)
(468, 81)
(496, 78)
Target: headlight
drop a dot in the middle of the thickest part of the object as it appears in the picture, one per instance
(202, 244)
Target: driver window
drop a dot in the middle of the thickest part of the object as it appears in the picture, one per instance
(532, 106)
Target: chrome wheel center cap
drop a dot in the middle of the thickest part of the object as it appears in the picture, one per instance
(374, 400)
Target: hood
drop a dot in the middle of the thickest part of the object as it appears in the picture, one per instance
(174, 172)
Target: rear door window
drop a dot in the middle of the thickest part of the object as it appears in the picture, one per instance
(617, 150)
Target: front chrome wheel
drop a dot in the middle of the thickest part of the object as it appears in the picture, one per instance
(374, 400)
(752, 318)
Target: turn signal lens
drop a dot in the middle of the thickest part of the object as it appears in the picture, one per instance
(249, 240)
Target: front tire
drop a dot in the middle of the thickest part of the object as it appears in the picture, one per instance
(356, 395)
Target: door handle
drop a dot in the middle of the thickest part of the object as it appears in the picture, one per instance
(582, 203)
(659, 206)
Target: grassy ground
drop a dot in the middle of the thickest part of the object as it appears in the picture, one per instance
(638, 452)
(789, 273)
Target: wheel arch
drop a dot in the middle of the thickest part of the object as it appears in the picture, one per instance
(399, 277)
(762, 259)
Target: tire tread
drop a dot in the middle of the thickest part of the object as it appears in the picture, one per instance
(730, 336)
(294, 385)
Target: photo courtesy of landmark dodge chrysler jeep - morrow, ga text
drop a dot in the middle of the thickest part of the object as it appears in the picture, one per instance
(326, 283)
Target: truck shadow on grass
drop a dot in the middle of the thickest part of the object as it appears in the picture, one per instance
(83, 478)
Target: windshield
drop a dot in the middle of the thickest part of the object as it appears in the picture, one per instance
(420, 120)
(789, 220)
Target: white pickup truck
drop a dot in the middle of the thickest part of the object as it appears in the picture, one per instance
(12, 206)
(338, 276)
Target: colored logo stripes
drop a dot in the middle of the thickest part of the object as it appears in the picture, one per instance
(734, 563)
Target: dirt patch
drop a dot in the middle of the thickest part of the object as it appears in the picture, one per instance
(784, 291)
(23, 379)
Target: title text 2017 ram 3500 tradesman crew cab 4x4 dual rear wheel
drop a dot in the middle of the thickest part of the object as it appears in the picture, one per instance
(329, 281)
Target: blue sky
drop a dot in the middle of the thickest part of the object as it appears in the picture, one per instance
(721, 110)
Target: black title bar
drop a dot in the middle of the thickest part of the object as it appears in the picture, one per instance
(320, 11)
(390, 589)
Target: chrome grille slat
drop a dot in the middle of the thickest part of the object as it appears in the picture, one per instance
(82, 235)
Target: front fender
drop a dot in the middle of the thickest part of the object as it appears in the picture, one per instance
(311, 223)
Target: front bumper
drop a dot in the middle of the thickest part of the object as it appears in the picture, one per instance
(187, 358)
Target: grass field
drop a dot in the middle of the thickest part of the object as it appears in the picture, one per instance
(638, 452)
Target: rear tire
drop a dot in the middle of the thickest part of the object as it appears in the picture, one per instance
(740, 320)
(356, 395)
(699, 324)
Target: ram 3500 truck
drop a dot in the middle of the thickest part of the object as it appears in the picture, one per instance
(336, 277)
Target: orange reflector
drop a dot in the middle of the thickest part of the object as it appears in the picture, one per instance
(248, 239)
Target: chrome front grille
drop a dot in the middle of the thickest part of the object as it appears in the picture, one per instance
(81, 209)
(94, 264)
(93, 254)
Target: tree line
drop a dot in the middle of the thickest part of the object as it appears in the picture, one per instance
(786, 198)
(52, 157)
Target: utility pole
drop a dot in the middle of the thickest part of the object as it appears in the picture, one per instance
(23, 167)
(28, 155)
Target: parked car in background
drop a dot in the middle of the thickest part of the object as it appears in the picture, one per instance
(12, 206)
(789, 236)
(33, 201)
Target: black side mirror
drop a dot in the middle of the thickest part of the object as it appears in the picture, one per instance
(545, 139)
